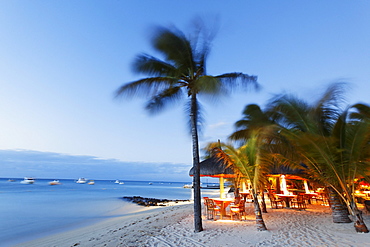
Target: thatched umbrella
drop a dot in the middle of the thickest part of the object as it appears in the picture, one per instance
(214, 167)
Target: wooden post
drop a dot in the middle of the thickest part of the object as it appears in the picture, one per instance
(222, 189)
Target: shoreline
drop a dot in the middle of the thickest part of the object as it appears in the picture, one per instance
(173, 226)
(98, 233)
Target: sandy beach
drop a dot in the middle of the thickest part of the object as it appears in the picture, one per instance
(173, 226)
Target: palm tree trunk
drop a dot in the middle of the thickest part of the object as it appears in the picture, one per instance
(257, 210)
(360, 225)
(196, 178)
(338, 209)
(264, 208)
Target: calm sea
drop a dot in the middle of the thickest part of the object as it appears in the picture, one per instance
(30, 211)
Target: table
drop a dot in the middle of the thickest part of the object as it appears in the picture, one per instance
(223, 203)
(367, 193)
(245, 194)
(286, 198)
(310, 195)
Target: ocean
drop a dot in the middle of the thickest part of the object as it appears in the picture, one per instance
(31, 211)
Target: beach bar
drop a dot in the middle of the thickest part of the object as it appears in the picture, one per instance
(213, 167)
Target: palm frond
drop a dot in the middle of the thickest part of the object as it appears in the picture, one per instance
(163, 99)
(175, 47)
(254, 118)
(327, 110)
(237, 81)
(152, 66)
(208, 85)
(146, 87)
(290, 112)
(360, 112)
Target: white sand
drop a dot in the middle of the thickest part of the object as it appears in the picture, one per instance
(173, 226)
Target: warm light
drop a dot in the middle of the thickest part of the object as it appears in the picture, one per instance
(306, 186)
(283, 185)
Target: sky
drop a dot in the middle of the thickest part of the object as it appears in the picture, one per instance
(61, 62)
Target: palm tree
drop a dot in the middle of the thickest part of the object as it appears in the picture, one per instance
(253, 118)
(360, 112)
(182, 75)
(249, 161)
(334, 147)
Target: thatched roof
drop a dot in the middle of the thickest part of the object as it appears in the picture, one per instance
(287, 176)
(213, 167)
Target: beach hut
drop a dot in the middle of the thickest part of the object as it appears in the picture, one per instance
(281, 183)
(213, 167)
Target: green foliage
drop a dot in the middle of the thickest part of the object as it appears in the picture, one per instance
(180, 74)
(333, 146)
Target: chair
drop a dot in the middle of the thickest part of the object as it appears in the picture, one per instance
(238, 210)
(318, 198)
(275, 202)
(299, 202)
(322, 198)
(205, 205)
(212, 209)
(249, 199)
(307, 199)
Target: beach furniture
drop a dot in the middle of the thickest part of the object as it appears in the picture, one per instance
(212, 209)
(322, 197)
(286, 198)
(238, 210)
(275, 202)
(247, 196)
(205, 205)
(223, 203)
(299, 202)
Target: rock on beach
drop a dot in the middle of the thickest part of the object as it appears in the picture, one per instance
(142, 201)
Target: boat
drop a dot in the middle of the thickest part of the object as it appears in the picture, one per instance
(188, 186)
(11, 180)
(211, 186)
(91, 182)
(117, 181)
(121, 183)
(27, 180)
(81, 181)
(150, 183)
(55, 182)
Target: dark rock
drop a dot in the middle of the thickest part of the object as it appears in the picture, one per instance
(150, 201)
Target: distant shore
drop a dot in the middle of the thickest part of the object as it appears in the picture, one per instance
(173, 226)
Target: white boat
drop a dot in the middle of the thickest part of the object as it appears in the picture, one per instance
(121, 183)
(117, 181)
(81, 181)
(188, 186)
(91, 182)
(55, 182)
(28, 181)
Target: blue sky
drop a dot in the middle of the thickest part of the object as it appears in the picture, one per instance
(61, 62)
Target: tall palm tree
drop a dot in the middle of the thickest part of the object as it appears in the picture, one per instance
(182, 75)
(334, 148)
(249, 161)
